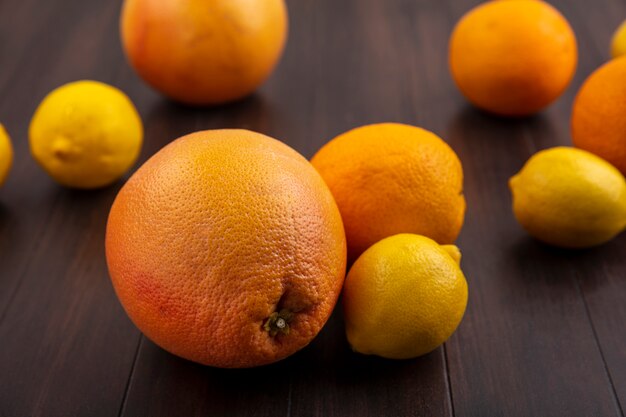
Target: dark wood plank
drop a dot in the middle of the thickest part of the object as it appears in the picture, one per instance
(601, 271)
(16, 106)
(544, 332)
(164, 385)
(66, 345)
(328, 379)
(527, 346)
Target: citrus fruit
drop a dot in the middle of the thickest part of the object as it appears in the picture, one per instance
(86, 134)
(204, 52)
(570, 198)
(404, 297)
(598, 115)
(618, 43)
(514, 57)
(6, 154)
(392, 178)
(227, 248)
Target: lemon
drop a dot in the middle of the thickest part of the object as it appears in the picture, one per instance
(570, 198)
(618, 44)
(6, 154)
(403, 297)
(86, 134)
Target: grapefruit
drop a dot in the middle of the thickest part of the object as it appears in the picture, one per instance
(227, 248)
(203, 52)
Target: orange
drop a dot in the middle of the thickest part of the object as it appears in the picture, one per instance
(227, 248)
(599, 114)
(204, 52)
(392, 178)
(514, 57)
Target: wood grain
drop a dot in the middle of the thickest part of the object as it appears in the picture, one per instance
(544, 334)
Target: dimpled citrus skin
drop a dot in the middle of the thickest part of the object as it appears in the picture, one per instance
(570, 198)
(204, 52)
(216, 232)
(392, 178)
(6, 154)
(86, 134)
(618, 43)
(514, 57)
(404, 297)
(598, 114)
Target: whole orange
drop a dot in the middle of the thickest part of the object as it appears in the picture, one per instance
(227, 248)
(599, 114)
(204, 52)
(392, 178)
(514, 57)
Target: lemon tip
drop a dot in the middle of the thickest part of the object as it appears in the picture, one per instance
(454, 252)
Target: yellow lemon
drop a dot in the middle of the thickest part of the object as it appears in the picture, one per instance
(618, 44)
(86, 134)
(570, 198)
(6, 154)
(404, 296)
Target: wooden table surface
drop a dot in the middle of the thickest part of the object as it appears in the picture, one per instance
(545, 329)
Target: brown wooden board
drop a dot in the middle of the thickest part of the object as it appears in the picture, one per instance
(545, 330)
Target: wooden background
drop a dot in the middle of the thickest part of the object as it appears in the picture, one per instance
(544, 333)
